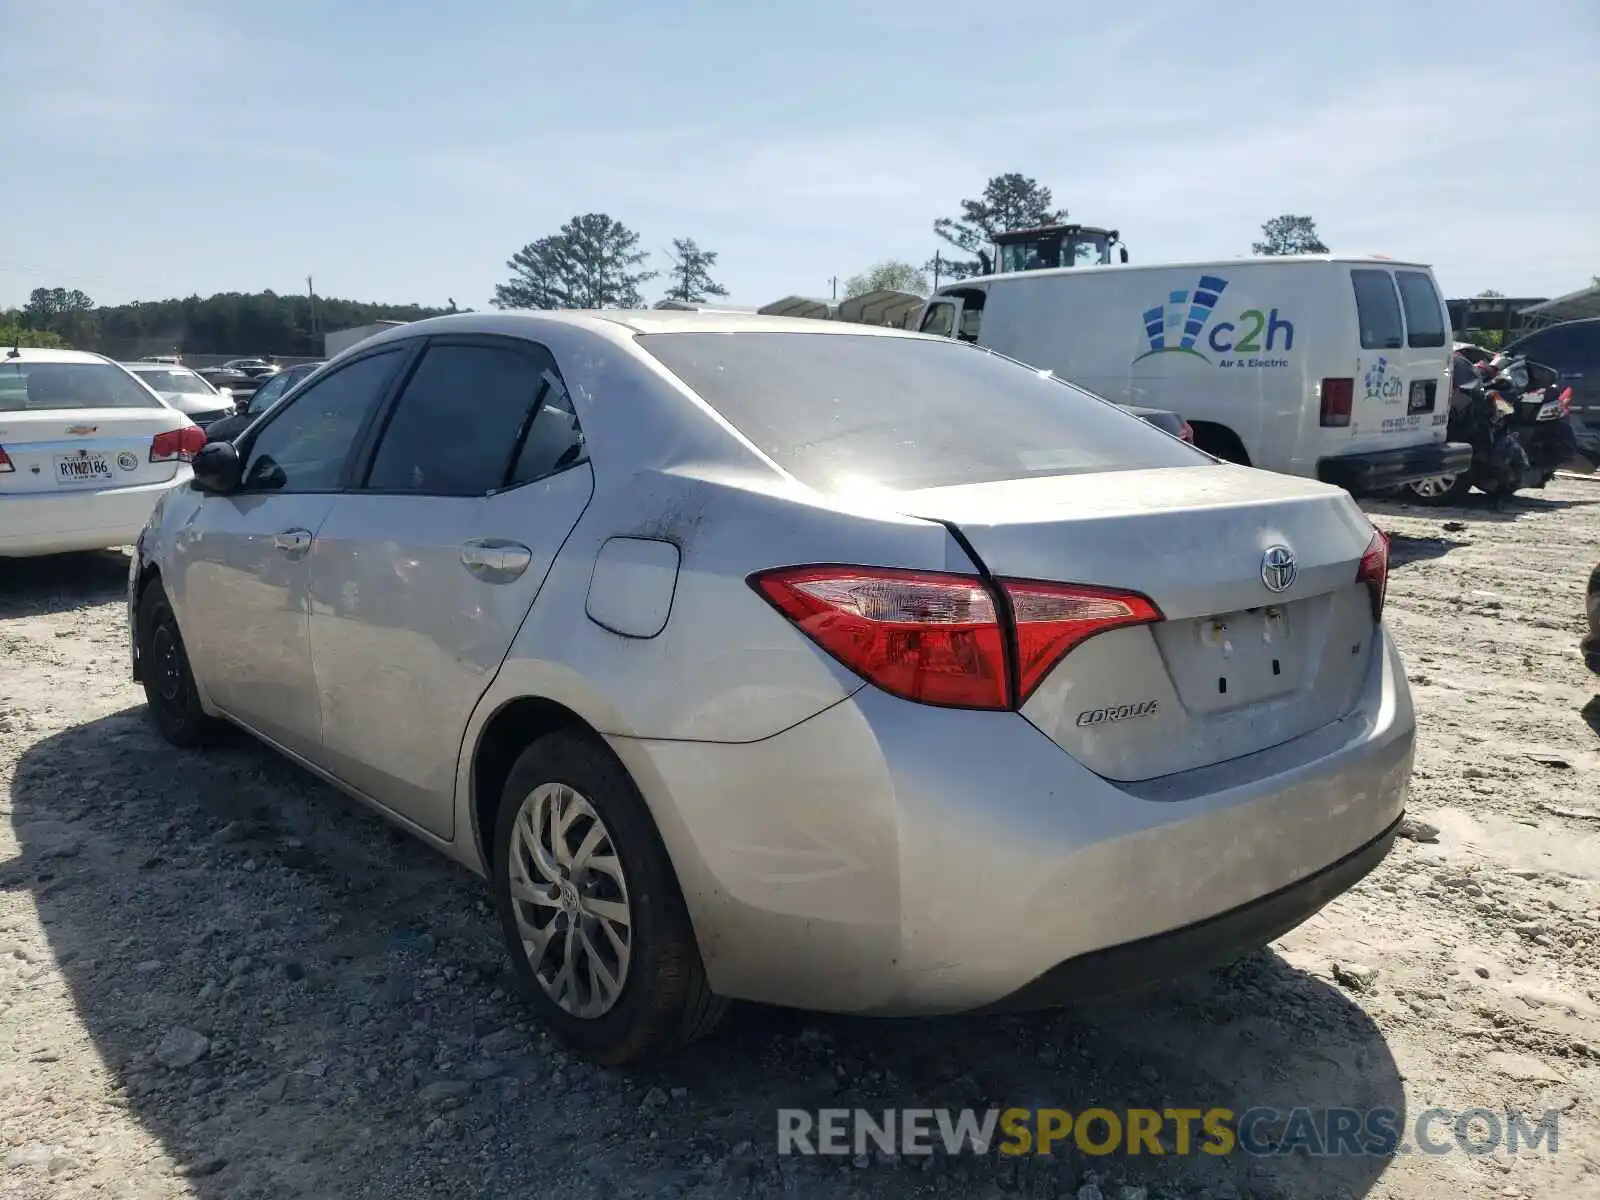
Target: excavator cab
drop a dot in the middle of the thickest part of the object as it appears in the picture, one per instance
(1049, 246)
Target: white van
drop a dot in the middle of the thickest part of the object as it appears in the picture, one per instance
(1328, 367)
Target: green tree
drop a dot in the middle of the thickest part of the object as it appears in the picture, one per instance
(593, 262)
(888, 276)
(691, 273)
(232, 323)
(1011, 201)
(1289, 235)
(14, 331)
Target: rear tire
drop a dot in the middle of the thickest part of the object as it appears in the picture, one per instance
(169, 688)
(601, 942)
(1220, 441)
(1437, 492)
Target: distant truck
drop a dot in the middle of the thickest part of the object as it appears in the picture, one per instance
(1324, 366)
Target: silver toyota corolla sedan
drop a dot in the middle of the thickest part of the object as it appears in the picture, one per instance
(789, 661)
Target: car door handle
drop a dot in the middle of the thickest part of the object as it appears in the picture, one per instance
(495, 560)
(293, 541)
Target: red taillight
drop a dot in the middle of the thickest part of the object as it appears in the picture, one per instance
(1052, 618)
(180, 444)
(1186, 433)
(6, 464)
(1374, 571)
(1565, 400)
(1338, 399)
(939, 638)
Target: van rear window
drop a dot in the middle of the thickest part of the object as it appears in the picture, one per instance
(1377, 311)
(1425, 324)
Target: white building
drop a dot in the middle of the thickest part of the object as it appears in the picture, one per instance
(342, 339)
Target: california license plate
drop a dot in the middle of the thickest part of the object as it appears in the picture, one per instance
(82, 468)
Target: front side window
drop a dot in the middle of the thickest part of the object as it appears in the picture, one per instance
(466, 414)
(32, 386)
(1377, 310)
(854, 411)
(1425, 317)
(304, 447)
(940, 319)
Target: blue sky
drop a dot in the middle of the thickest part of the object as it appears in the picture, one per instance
(402, 151)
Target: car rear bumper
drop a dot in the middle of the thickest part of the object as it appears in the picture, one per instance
(1214, 942)
(1376, 470)
(885, 857)
(63, 522)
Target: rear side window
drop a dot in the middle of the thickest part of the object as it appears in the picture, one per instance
(1377, 311)
(1425, 322)
(32, 386)
(463, 419)
(847, 411)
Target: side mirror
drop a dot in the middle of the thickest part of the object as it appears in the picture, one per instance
(217, 468)
(1122, 252)
(225, 392)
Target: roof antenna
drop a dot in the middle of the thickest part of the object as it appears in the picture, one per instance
(16, 349)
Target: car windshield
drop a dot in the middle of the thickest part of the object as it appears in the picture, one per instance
(842, 411)
(174, 380)
(30, 386)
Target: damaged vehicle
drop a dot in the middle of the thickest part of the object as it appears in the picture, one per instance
(820, 665)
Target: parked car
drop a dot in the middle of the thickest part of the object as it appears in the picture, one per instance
(86, 452)
(186, 391)
(263, 398)
(1573, 349)
(1332, 368)
(737, 652)
(1591, 643)
(1167, 422)
(253, 367)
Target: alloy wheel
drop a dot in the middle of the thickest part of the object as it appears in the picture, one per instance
(1435, 487)
(569, 896)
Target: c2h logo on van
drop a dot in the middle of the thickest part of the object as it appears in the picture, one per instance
(1175, 327)
(1380, 384)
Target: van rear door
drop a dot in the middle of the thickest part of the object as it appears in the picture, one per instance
(1398, 396)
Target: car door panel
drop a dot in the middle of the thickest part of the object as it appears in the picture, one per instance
(423, 573)
(245, 605)
(406, 635)
(244, 559)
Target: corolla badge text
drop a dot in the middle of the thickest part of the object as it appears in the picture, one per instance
(1118, 712)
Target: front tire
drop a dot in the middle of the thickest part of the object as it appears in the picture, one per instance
(169, 688)
(600, 937)
(1436, 492)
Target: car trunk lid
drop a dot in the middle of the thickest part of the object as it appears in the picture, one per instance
(1234, 666)
(87, 449)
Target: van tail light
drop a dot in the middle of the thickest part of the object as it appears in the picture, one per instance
(1374, 572)
(180, 445)
(6, 465)
(946, 639)
(1186, 433)
(1338, 399)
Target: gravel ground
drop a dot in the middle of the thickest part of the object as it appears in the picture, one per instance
(219, 978)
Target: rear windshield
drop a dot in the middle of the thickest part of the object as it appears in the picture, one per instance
(1425, 324)
(185, 382)
(839, 412)
(30, 386)
(1377, 311)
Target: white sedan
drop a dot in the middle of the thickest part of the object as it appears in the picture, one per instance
(86, 452)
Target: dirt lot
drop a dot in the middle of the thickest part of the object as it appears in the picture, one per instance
(219, 978)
